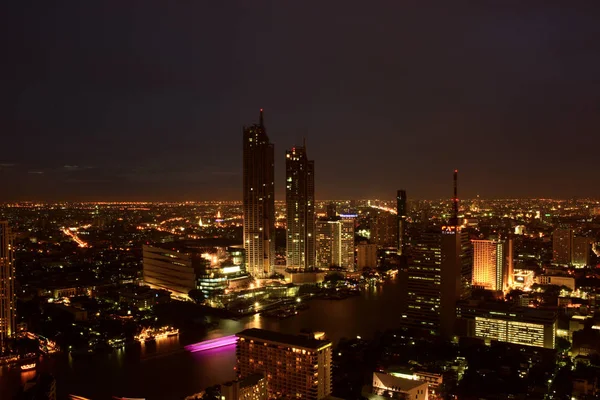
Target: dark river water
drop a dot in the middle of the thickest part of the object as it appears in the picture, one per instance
(166, 371)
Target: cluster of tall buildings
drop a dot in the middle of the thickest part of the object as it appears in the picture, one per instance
(310, 242)
(568, 249)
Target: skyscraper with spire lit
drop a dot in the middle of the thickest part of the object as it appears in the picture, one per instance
(300, 206)
(259, 200)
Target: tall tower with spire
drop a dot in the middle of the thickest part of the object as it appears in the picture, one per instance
(300, 206)
(7, 285)
(259, 200)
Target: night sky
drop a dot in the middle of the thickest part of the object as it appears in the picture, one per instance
(145, 100)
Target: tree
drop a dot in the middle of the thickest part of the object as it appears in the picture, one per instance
(562, 344)
(196, 295)
(334, 277)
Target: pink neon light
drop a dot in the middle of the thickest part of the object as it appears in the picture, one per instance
(212, 344)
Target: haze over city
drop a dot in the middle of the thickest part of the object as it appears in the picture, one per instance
(141, 102)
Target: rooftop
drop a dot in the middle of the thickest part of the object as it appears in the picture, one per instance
(304, 341)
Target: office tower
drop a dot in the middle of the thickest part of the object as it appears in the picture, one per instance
(335, 242)
(492, 264)
(384, 229)
(259, 200)
(401, 215)
(580, 256)
(562, 244)
(506, 323)
(296, 366)
(437, 275)
(366, 256)
(7, 285)
(182, 266)
(253, 387)
(300, 205)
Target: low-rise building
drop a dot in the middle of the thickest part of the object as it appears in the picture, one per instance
(567, 281)
(143, 297)
(389, 386)
(253, 387)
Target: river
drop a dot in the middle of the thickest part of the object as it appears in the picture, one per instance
(166, 371)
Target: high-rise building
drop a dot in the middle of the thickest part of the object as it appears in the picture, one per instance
(296, 366)
(366, 255)
(259, 200)
(580, 256)
(384, 229)
(335, 242)
(562, 244)
(439, 275)
(492, 264)
(7, 285)
(401, 222)
(300, 205)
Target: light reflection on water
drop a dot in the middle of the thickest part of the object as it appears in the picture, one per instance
(165, 370)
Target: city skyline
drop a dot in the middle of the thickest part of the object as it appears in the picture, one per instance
(432, 89)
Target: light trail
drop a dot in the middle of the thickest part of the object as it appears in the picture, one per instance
(212, 344)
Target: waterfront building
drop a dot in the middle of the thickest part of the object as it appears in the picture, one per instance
(259, 200)
(366, 256)
(401, 221)
(580, 256)
(335, 242)
(492, 264)
(505, 323)
(296, 366)
(562, 244)
(300, 207)
(8, 307)
(201, 264)
(253, 387)
(390, 386)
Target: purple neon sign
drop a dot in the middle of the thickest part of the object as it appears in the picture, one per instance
(212, 344)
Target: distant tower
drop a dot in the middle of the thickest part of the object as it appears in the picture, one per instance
(7, 285)
(259, 200)
(300, 206)
(401, 215)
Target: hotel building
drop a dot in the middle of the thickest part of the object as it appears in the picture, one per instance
(492, 264)
(296, 366)
(253, 387)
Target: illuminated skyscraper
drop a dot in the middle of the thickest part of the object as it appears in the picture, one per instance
(335, 242)
(259, 200)
(492, 264)
(401, 210)
(7, 285)
(562, 244)
(300, 205)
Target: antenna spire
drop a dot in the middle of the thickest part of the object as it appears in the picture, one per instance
(455, 200)
(260, 120)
